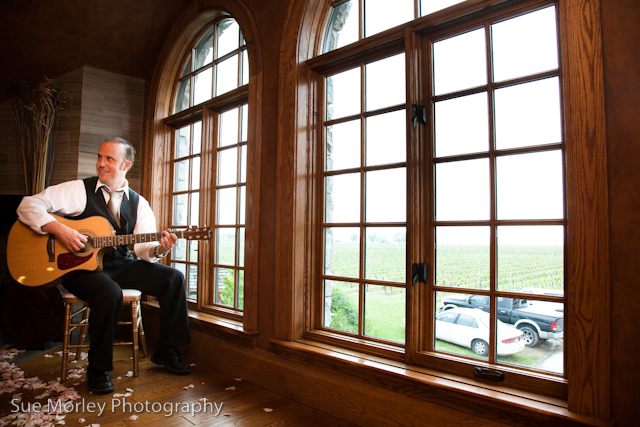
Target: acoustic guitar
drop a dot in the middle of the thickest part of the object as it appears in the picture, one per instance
(37, 259)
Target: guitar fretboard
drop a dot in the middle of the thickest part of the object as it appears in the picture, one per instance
(130, 239)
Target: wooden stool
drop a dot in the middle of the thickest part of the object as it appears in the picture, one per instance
(137, 331)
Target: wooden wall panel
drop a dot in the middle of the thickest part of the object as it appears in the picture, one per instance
(100, 104)
(68, 132)
(112, 105)
(11, 176)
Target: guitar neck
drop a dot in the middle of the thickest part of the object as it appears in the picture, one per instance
(130, 239)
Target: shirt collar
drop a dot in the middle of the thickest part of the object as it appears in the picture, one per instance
(124, 189)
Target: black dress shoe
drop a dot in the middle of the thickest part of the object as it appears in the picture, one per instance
(170, 359)
(98, 381)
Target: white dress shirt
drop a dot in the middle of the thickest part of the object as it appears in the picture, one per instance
(70, 199)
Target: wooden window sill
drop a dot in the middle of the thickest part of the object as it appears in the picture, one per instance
(462, 394)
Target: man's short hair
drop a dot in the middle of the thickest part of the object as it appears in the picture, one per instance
(129, 150)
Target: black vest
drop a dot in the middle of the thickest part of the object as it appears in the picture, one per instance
(96, 206)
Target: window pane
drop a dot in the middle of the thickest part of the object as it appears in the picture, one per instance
(342, 198)
(342, 252)
(180, 176)
(386, 198)
(241, 247)
(541, 333)
(429, 6)
(202, 86)
(195, 173)
(342, 27)
(240, 293)
(196, 146)
(462, 190)
(180, 210)
(228, 128)
(192, 280)
(380, 15)
(204, 50)
(385, 83)
(386, 254)
(182, 142)
(227, 75)
(226, 204)
(228, 166)
(193, 251)
(228, 37)
(245, 123)
(183, 95)
(529, 186)
(385, 312)
(245, 67)
(463, 257)
(343, 94)
(243, 163)
(458, 328)
(531, 259)
(225, 246)
(341, 299)
(195, 209)
(179, 252)
(528, 114)
(386, 138)
(343, 146)
(462, 125)
(460, 62)
(224, 286)
(243, 203)
(525, 45)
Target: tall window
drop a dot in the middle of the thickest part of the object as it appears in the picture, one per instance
(209, 159)
(186, 200)
(485, 104)
(231, 195)
(365, 200)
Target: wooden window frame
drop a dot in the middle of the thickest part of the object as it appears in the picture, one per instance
(588, 350)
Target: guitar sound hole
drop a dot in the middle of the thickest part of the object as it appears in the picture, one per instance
(88, 247)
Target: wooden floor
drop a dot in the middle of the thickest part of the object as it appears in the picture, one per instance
(156, 397)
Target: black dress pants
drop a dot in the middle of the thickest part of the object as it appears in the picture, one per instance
(103, 292)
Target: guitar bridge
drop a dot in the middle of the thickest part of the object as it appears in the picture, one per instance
(51, 247)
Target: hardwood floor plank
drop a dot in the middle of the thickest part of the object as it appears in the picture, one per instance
(208, 397)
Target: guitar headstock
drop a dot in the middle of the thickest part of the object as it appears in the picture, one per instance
(198, 233)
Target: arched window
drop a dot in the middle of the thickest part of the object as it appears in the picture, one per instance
(444, 156)
(208, 138)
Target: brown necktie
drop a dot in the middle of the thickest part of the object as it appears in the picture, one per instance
(111, 206)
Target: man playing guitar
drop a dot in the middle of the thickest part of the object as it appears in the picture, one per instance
(108, 195)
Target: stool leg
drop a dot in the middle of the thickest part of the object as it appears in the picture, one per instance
(83, 328)
(65, 341)
(142, 339)
(134, 333)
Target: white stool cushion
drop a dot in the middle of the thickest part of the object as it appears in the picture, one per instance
(126, 293)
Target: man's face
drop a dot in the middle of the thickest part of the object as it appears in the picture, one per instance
(112, 165)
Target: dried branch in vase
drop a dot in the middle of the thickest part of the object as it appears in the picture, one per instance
(35, 109)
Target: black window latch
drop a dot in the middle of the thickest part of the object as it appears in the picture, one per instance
(488, 374)
(420, 272)
(418, 114)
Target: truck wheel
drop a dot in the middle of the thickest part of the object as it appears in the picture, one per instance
(480, 347)
(531, 338)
